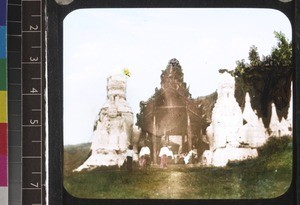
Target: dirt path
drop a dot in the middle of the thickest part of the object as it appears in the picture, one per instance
(173, 186)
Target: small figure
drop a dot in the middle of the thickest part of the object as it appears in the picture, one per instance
(129, 157)
(145, 157)
(194, 152)
(163, 154)
(191, 157)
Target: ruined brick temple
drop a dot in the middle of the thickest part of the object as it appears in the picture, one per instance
(171, 116)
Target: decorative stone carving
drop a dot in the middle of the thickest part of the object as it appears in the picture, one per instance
(113, 127)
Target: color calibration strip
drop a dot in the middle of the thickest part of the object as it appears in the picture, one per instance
(3, 105)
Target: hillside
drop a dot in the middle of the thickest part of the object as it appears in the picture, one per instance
(74, 156)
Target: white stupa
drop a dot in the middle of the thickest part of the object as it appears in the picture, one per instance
(225, 130)
(287, 123)
(278, 127)
(253, 132)
(113, 127)
(226, 115)
(234, 135)
(290, 111)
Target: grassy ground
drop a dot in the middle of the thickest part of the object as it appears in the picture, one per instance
(267, 176)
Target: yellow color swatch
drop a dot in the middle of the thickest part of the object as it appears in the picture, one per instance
(3, 106)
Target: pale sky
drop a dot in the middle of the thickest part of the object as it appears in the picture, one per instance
(100, 42)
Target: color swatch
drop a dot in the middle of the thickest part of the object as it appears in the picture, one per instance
(3, 105)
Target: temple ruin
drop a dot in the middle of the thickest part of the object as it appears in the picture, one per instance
(171, 116)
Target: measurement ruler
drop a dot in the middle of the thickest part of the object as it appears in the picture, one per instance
(33, 140)
(25, 102)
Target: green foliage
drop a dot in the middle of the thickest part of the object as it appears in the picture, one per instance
(267, 79)
(240, 68)
(282, 53)
(267, 176)
(254, 56)
(274, 145)
(281, 56)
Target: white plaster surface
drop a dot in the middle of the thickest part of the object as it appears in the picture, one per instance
(253, 132)
(234, 135)
(113, 127)
(226, 116)
(223, 155)
(278, 127)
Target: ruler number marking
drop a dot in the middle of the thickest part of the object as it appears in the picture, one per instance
(33, 59)
(33, 90)
(33, 122)
(33, 28)
(35, 185)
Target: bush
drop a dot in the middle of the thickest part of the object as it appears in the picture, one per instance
(274, 145)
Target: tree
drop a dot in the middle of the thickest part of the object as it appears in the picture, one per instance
(240, 68)
(254, 56)
(281, 56)
(282, 53)
(267, 77)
